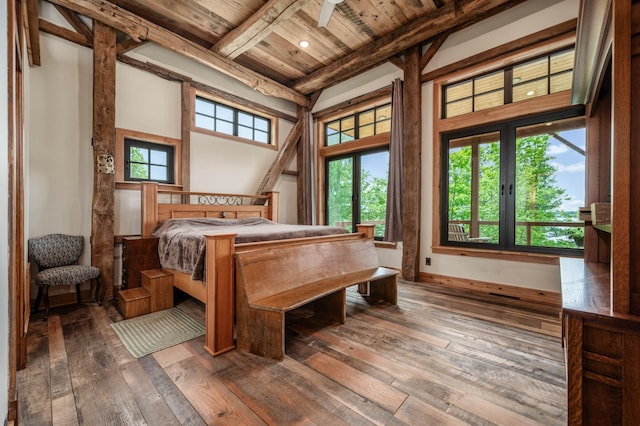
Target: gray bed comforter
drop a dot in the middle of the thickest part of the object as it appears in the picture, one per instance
(182, 242)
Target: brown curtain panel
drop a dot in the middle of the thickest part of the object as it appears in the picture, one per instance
(393, 222)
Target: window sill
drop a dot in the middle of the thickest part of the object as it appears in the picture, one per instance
(136, 186)
(548, 259)
(386, 244)
(221, 135)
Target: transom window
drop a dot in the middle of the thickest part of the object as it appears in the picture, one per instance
(217, 117)
(541, 76)
(360, 125)
(147, 161)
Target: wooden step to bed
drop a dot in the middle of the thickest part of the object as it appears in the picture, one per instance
(159, 285)
(156, 294)
(134, 302)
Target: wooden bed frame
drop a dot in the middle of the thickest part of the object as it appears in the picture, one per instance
(219, 295)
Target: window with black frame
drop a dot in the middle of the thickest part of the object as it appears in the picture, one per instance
(516, 185)
(148, 161)
(217, 117)
(359, 125)
(356, 189)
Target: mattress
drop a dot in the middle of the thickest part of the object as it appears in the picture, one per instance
(182, 242)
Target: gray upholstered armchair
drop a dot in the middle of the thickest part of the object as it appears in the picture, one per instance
(57, 258)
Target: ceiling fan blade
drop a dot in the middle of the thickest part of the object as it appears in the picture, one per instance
(327, 10)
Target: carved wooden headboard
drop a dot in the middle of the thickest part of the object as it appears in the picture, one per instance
(158, 206)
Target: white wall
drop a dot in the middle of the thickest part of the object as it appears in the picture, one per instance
(4, 228)
(59, 182)
(515, 23)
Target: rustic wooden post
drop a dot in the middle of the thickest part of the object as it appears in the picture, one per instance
(412, 165)
(104, 145)
(305, 164)
(185, 136)
(282, 159)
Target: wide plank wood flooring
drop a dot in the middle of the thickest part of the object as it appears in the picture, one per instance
(436, 358)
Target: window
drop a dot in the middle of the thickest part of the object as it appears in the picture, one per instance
(360, 125)
(216, 117)
(147, 161)
(516, 185)
(356, 189)
(143, 157)
(355, 155)
(541, 76)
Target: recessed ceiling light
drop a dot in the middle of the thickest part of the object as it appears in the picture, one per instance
(304, 44)
(516, 80)
(531, 93)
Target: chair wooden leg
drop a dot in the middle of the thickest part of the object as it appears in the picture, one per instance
(36, 305)
(78, 292)
(46, 302)
(97, 296)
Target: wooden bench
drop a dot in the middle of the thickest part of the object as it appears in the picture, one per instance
(271, 282)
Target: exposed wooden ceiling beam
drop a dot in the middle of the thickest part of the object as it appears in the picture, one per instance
(282, 159)
(75, 21)
(256, 27)
(140, 29)
(33, 34)
(127, 45)
(314, 98)
(65, 33)
(432, 50)
(397, 61)
(452, 15)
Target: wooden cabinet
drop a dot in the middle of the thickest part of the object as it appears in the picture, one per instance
(138, 254)
(602, 349)
(601, 296)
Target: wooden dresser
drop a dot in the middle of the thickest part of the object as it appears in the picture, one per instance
(602, 349)
(138, 254)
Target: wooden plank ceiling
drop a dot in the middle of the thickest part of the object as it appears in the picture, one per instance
(257, 36)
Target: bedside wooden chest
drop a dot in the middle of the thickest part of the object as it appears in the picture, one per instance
(138, 254)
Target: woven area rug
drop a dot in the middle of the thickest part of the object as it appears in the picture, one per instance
(152, 332)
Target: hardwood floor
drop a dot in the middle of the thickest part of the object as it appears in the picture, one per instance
(435, 358)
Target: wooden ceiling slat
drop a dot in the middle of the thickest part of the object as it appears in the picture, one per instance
(298, 58)
(462, 13)
(191, 32)
(187, 14)
(340, 27)
(278, 64)
(236, 11)
(324, 50)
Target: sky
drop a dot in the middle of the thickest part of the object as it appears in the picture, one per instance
(570, 167)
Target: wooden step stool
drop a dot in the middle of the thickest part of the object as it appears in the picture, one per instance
(134, 302)
(159, 285)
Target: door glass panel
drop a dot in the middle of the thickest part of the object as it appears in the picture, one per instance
(374, 175)
(474, 189)
(340, 193)
(550, 184)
